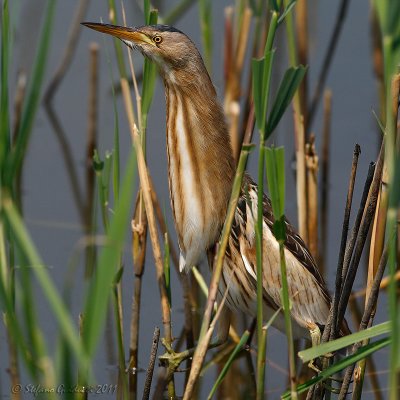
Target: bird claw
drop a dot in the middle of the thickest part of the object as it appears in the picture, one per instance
(172, 360)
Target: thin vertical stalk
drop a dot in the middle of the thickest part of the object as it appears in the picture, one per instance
(300, 135)
(325, 168)
(150, 368)
(301, 178)
(261, 334)
(312, 196)
(288, 323)
(144, 181)
(302, 42)
(91, 140)
(201, 348)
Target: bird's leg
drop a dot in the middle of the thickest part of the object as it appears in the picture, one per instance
(315, 334)
(171, 360)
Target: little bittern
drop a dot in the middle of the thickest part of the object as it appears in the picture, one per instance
(201, 171)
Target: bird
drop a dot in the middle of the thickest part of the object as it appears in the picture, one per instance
(201, 170)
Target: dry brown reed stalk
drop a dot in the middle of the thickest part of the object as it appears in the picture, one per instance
(91, 137)
(202, 347)
(377, 238)
(367, 217)
(248, 120)
(302, 52)
(330, 330)
(72, 40)
(325, 163)
(384, 285)
(330, 51)
(372, 373)
(331, 323)
(377, 58)
(366, 321)
(150, 368)
(236, 42)
(189, 301)
(91, 140)
(312, 162)
(301, 181)
(18, 102)
(145, 184)
(345, 228)
(139, 241)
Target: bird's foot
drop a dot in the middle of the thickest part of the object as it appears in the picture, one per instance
(172, 360)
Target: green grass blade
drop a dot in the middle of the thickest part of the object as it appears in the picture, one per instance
(225, 369)
(117, 43)
(206, 30)
(14, 328)
(100, 288)
(33, 96)
(334, 345)
(290, 83)
(149, 79)
(261, 70)
(286, 11)
(363, 352)
(59, 309)
(275, 167)
(146, 8)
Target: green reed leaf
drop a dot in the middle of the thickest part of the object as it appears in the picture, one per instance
(290, 83)
(334, 345)
(362, 352)
(101, 285)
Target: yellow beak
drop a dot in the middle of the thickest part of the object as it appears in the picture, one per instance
(130, 34)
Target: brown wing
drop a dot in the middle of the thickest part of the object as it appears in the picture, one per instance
(294, 243)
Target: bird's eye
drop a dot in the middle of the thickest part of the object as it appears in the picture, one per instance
(157, 39)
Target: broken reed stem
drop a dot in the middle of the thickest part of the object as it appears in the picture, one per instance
(384, 285)
(377, 239)
(235, 49)
(345, 229)
(145, 184)
(205, 336)
(69, 51)
(352, 241)
(91, 140)
(301, 181)
(331, 326)
(139, 242)
(325, 168)
(189, 302)
(150, 368)
(301, 16)
(92, 126)
(19, 102)
(368, 215)
(366, 318)
(312, 196)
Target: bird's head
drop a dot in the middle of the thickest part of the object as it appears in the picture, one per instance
(171, 49)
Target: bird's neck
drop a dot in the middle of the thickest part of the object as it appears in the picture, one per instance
(200, 165)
